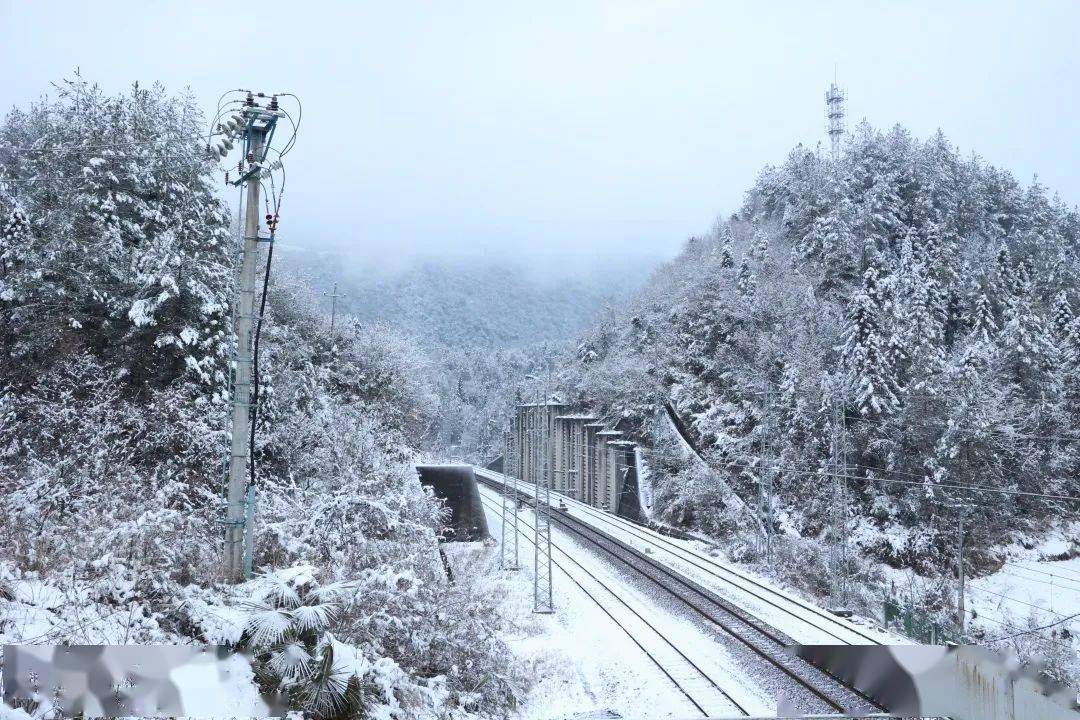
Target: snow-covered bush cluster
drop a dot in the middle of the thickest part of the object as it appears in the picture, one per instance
(116, 272)
(931, 296)
(113, 316)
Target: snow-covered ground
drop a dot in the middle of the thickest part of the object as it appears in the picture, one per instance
(39, 613)
(801, 620)
(1031, 586)
(586, 662)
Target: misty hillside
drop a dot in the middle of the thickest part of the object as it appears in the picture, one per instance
(480, 328)
(925, 299)
(491, 305)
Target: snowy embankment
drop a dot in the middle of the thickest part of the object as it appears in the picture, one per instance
(799, 619)
(610, 646)
(34, 611)
(1037, 591)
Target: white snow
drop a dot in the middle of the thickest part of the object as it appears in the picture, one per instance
(801, 620)
(586, 662)
(1030, 587)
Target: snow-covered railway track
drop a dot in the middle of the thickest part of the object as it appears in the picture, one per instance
(699, 688)
(820, 627)
(806, 684)
(823, 622)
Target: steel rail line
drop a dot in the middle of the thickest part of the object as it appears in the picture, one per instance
(761, 640)
(693, 558)
(490, 505)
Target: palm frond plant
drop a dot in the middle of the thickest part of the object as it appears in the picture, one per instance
(288, 633)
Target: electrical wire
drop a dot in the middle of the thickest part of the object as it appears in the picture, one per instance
(276, 196)
(1067, 571)
(1035, 630)
(255, 357)
(1012, 628)
(756, 465)
(1065, 583)
(221, 104)
(1000, 433)
(299, 118)
(1015, 600)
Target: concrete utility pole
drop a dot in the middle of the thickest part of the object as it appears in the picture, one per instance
(235, 518)
(840, 525)
(962, 509)
(333, 307)
(255, 124)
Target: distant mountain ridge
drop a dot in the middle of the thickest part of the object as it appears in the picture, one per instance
(490, 304)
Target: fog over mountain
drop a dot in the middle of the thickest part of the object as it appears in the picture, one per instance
(481, 303)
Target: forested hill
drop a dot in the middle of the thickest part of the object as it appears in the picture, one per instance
(481, 326)
(929, 294)
(496, 304)
(116, 274)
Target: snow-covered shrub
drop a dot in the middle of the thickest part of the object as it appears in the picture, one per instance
(380, 646)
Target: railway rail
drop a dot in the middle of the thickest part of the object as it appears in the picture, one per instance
(832, 627)
(842, 632)
(702, 691)
(760, 641)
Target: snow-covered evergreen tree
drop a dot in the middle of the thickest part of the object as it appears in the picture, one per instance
(869, 373)
(727, 259)
(747, 282)
(982, 319)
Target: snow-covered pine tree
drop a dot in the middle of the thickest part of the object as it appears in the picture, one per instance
(869, 374)
(981, 316)
(747, 282)
(1025, 345)
(727, 258)
(760, 248)
(14, 246)
(1063, 314)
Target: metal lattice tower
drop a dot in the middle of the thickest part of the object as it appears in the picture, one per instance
(542, 590)
(834, 116)
(510, 558)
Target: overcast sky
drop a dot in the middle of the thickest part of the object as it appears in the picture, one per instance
(562, 132)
